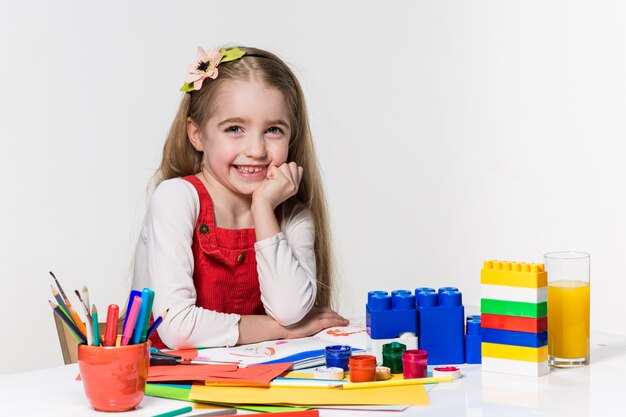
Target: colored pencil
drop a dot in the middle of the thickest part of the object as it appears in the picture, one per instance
(70, 309)
(397, 382)
(110, 332)
(156, 324)
(78, 335)
(94, 324)
(88, 322)
(131, 319)
(176, 412)
(60, 301)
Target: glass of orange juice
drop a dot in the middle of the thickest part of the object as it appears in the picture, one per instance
(568, 308)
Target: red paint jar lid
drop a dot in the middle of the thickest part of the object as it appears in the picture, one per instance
(414, 355)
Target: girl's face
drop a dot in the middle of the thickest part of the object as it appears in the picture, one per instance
(247, 132)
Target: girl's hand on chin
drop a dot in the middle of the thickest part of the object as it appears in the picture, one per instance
(280, 183)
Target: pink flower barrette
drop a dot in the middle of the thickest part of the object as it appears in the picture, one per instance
(206, 66)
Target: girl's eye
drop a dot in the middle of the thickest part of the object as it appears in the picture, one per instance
(275, 130)
(233, 129)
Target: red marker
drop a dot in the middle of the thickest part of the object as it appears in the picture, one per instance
(110, 333)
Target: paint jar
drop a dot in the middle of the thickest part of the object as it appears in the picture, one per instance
(392, 356)
(415, 363)
(338, 356)
(114, 378)
(362, 368)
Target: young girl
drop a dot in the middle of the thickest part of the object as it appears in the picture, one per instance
(236, 240)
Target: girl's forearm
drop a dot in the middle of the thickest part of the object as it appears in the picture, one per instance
(265, 222)
(254, 329)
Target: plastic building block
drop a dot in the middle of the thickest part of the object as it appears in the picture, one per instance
(521, 353)
(389, 316)
(509, 293)
(515, 367)
(513, 308)
(473, 339)
(514, 274)
(517, 324)
(441, 325)
(508, 337)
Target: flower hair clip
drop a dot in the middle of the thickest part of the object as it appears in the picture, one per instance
(206, 66)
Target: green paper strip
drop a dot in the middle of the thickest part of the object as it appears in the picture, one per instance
(168, 391)
(182, 393)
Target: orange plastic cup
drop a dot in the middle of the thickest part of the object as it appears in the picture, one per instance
(114, 378)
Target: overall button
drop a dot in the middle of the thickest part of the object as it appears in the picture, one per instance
(204, 229)
(241, 257)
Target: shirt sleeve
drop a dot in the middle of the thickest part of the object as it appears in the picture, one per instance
(164, 262)
(286, 266)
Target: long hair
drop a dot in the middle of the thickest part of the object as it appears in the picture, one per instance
(180, 158)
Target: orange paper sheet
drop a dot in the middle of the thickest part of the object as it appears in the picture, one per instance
(253, 375)
(411, 394)
(163, 373)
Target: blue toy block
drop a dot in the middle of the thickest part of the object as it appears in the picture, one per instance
(390, 315)
(441, 317)
(510, 337)
(473, 340)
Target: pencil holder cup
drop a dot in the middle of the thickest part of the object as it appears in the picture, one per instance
(114, 378)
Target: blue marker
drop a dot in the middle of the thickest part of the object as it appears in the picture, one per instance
(141, 317)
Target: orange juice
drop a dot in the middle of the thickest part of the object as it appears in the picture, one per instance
(568, 319)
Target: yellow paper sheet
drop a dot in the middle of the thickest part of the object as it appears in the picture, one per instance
(412, 394)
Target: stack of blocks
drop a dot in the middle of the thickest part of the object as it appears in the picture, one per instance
(441, 325)
(435, 319)
(514, 318)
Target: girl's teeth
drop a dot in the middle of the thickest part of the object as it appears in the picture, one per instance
(249, 170)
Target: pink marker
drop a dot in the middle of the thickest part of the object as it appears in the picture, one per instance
(131, 320)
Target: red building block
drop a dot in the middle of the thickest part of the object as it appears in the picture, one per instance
(514, 323)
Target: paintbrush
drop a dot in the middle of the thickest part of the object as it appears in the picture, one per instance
(71, 310)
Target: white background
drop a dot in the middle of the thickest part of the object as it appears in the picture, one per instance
(448, 132)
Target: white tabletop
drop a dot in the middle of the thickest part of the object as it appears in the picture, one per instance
(596, 390)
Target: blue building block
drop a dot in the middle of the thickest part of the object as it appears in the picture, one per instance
(390, 315)
(510, 337)
(441, 325)
(473, 340)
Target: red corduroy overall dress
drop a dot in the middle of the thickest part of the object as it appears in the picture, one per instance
(225, 269)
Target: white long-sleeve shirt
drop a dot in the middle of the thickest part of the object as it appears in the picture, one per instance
(164, 262)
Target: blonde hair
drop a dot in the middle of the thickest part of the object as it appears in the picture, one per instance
(180, 158)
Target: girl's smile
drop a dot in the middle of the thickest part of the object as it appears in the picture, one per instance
(251, 171)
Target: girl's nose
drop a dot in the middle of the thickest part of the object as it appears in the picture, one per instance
(255, 146)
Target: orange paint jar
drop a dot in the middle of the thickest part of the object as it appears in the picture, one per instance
(114, 378)
(362, 368)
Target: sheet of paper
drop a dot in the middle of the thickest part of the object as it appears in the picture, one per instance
(304, 352)
(253, 375)
(411, 394)
(181, 392)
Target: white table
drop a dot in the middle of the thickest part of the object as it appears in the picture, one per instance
(595, 390)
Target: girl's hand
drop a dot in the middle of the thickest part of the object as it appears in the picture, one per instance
(280, 184)
(318, 319)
